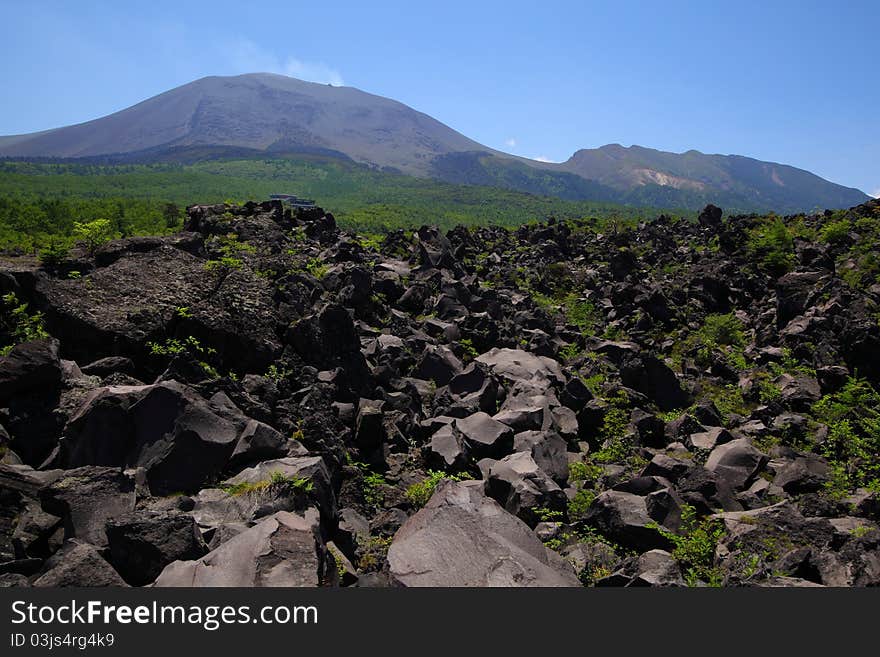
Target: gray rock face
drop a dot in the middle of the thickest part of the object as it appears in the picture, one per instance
(463, 538)
(29, 366)
(518, 365)
(285, 549)
(78, 564)
(86, 498)
(484, 435)
(626, 519)
(520, 486)
(311, 468)
(180, 439)
(736, 463)
(142, 544)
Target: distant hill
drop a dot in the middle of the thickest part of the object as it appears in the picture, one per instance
(264, 114)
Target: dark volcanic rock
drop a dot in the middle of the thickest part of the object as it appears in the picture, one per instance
(180, 439)
(654, 379)
(30, 366)
(285, 549)
(141, 545)
(463, 538)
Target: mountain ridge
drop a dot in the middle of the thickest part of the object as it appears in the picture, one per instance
(266, 114)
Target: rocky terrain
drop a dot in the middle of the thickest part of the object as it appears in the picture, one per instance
(265, 400)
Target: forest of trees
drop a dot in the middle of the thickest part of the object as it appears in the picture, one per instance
(40, 204)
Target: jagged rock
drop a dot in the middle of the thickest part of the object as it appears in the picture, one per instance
(709, 439)
(520, 486)
(626, 519)
(447, 449)
(547, 449)
(437, 364)
(310, 469)
(257, 442)
(463, 538)
(804, 474)
(180, 439)
(517, 365)
(30, 366)
(284, 549)
(655, 380)
(109, 365)
(657, 568)
(86, 498)
(142, 544)
(485, 436)
(737, 463)
(710, 217)
(78, 564)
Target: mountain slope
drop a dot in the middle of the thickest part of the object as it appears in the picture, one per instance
(761, 184)
(264, 114)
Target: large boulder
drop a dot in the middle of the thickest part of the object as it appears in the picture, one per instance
(30, 366)
(736, 463)
(142, 544)
(86, 498)
(632, 520)
(485, 436)
(78, 564)
(181, 440)
(518, 365)
(464, 538)
(285, 549)
(521, 487)
(311, 470)
(653, 378)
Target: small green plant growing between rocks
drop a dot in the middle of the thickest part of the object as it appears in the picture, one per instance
(853, 444)
(467, 346)
(54, 254)
(229, 249)
(316, 268)
(694, 546)
(419, 493)
(191, 346)
(773, 245)
(277, 481)
(17, 324)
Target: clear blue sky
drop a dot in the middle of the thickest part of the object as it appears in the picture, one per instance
(786, 81)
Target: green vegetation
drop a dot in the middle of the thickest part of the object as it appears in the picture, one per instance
(40, 203)
(227, 250)
(277, 482)
(17, 324)
(189, 346)
(613, 431)
(93, 234)
(772, 244)
(694, 547)
(419, 493)
(853, 418)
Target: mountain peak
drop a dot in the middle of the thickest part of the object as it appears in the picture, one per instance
(270, 114)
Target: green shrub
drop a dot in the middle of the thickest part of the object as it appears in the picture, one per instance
(835, 232)
(772, 244)
(54, 254)
(853, 444)
(17, 325)
(694, 546)
(419, 493)
(93, 234)
(723, 330)
(580, 504)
